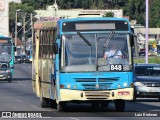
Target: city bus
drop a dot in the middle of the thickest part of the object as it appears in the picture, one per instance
(69, 65)
(6, 58)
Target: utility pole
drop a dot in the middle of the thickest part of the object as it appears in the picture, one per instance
(16, 30)
(32, 25)
(24, 31)
(146, 31)
(16, 27)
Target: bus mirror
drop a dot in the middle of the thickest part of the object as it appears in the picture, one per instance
(58, 36)
(132, 40)
(15, 49)
(55, 48)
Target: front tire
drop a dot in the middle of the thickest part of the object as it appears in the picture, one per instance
(10, 80)
(120, 105)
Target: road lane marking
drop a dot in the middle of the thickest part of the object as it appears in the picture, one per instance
(34, 106)
(19, 101)
(74, 118)
(40, 108)
(21, 83)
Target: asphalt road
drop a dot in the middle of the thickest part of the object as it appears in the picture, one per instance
(18, 96)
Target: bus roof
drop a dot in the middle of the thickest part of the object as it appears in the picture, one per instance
(1, 37)
(94, 18)
(44, 24)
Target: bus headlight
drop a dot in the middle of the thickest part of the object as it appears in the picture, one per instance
(138, 84)
(75, 86)
(68, 86)
(125, 85)
(119, 86)
(7, 71)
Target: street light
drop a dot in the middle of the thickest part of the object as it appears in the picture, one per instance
(16, 27)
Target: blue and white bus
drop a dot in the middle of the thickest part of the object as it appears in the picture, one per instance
(69, 65)
(6, 58)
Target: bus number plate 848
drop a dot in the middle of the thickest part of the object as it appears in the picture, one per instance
(116, 67)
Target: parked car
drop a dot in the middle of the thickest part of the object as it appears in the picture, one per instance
(142, 52)
(147, 80)
(22, 59)
(17, 59)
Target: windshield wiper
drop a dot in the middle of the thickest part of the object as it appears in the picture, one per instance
(88, 43)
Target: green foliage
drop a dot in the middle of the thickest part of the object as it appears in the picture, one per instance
(155, 14)
(150, 60)
(108, 14)
(25, 11)
(152, 42)
(135, 9)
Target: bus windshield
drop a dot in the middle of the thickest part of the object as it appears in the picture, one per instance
(91, 52)
(5, 52)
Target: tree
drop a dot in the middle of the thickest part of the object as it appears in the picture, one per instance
(136, 10)
(25, 9)
(109, 14)
(154, 19)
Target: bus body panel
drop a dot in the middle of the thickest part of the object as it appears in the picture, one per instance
(50, 81)
(80, 95)
(7, 49)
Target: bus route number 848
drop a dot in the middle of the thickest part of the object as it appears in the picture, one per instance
(116, 67)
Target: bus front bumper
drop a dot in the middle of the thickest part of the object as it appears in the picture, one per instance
(69, 95)
(5, 74)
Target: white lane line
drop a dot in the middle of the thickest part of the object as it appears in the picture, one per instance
(21, 83)
(74, 118)
(19, 101)
(34, 106)
(38, 107)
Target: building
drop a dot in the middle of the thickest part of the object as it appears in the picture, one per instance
(51, 14)
(17, 1)
(4, 19)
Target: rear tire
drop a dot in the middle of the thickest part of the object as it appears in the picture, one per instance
(120, 105)
(61, 106)
(44, 101)
(53, 104)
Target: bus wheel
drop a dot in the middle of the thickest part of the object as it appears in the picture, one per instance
(53, 104)
(119, 105)
(61, 106)
(10, 80)
(44, 101)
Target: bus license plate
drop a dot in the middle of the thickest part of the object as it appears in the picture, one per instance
(116, 67)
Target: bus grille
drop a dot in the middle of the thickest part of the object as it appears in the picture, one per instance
(94, 86)
(85, 79)
(97, 95)
(96, 83)
(108, 79)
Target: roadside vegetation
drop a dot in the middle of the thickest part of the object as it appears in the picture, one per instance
(150, 60)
